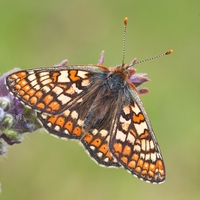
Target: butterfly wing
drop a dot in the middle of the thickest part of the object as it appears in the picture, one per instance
(96, 143)
(66, 126)
(133, 142)
(52, 90)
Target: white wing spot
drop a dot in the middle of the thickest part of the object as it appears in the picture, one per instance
(80, 122)
(135, 109)
(82, 74)
(76, 89)
(66, 132)
(66, 113)
(64, 98)
(74, 115)
(125, 126)
(57, 128)
(142, 156)
(63, 77)
(31, 77)
(99, 154)
(151, 144)
(153, 157)
(137, 148)
(85, 82)
(47, 81)
(147, 145)
(95, 131)
(131, 138)
(140, 127)
(49, 124)
(120, 136)
(147, 157)
(57, 90)
(126, 110)
(92, 148)
(46, 89)
(104, 133)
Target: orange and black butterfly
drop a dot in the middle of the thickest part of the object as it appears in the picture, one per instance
(98, 106)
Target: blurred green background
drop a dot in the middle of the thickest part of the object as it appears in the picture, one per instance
(43, 33)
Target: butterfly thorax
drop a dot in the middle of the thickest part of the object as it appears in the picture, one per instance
(117, 78)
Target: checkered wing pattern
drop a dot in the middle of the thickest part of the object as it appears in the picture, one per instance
(133, 142)
(52, 90)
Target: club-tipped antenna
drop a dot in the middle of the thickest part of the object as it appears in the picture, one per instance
(124, 40)
(152, 58)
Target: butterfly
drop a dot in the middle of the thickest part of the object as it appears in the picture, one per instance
(98, 106)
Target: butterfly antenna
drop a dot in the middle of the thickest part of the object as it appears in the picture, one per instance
(153, 58)
(124, 40)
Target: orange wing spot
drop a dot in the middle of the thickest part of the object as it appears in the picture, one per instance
(13, 76)
(135, 157)
(144, 135)
(127, 150)
(109, 155)
(124, 159)
(38, 94)
(21, 74)
(144, 172)
(138, 118)
(54, 106)
(21, 92)
(26, 97)
(77, 131)
(152, 167)
(160, 167)
(33, 100)
(140, 163)
(60, 121)
(97, 142)
(72, 75)
(31, 92)
(150, 173)
(146, 166)
(69, 126)
(26, 88)
(41, 105)
(132, 164)
(88, 138)
(138, 169)
(17, 87)
(52, 119)
(118, 147)
(48, 99)
(104, 148)
(22, 83)
(55, 76)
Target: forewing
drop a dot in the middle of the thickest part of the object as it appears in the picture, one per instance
(133, 142)
(51, 90)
